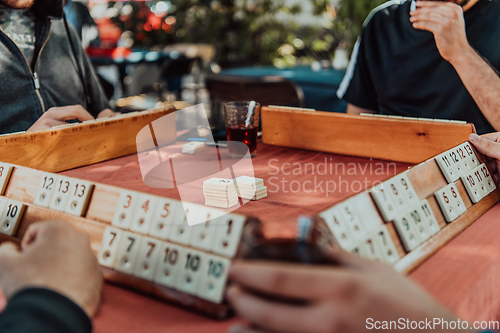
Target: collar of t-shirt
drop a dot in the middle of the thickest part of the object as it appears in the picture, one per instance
(19, 25)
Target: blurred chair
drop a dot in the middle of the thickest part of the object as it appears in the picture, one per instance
(266, 90)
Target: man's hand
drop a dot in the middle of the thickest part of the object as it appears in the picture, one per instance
(489, 145)
(58, 115)
(107, 113)
(53, 255)
(327, 298)
(446, 21)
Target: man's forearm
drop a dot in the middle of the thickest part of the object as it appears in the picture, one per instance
(482, 82)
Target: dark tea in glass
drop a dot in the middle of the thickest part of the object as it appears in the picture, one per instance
(242, 123)
(241, 134)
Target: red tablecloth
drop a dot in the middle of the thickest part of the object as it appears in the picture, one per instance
(463, 275)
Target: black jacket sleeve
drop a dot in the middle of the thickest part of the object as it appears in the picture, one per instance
(43, 311)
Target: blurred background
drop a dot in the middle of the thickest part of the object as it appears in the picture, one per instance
(286, 52)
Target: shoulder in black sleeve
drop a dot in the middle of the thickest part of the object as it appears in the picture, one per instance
(43, 311)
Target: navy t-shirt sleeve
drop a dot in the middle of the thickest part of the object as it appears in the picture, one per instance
(357, 87)
(43, 311)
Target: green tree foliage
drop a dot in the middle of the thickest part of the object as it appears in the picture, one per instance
(353, 13)
(243, 31)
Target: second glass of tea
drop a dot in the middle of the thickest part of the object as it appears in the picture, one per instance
(242, 124)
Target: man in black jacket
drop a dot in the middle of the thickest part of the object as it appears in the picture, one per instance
(52, 281)
(46, 77)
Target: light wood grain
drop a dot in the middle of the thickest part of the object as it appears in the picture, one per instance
(400, 140)
(75, 145)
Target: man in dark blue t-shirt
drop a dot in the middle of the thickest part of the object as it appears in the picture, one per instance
(429, 59)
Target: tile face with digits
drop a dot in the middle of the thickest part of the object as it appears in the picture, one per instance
(371, 250)
(415, 216)
(428, 215)
(396, 193)
(407, 232)
(227, 235)
(337, 225)
(180, 231)
(163, 217)
(189, 270)
(212, 282)
(472, 159)
(487, 183)
(61, 193)
(478, 183)
(447, 166)
(5, 172)
(167, 264)
(407, 189)
(143, 213)
(386, 246)
(147, 257)
(11, 216)
(384, 202)
(202, 234)
(352, 221)
(124, 209)
(443, 197)
(127, 252)
(109, 246)
(79, 197)
(456, 199)
(45, 189)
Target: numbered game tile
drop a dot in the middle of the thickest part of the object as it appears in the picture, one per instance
(127, 252)
(474, 182)
(180, 231)
(5, 172)
(386, 245)
(109, 246)
(45, 189)
(143, 214)
(444, 199)
(79, 197)
(337, 225)
(407, 232)
(167, 264)
(407, 189)
(371, 250)
(352, 221)
(419, 223)
(189, 270)
(202, 234)
(447, 167)
(163, 217)
(147, 258)
(213, 278)
(430, 220)
(124, 209)
(61, 193)
(11, 217)
(227, 234)
(384, 203)
(396, 193)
